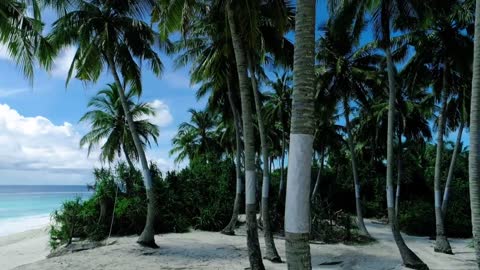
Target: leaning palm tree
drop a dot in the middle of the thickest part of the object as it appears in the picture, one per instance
(21, 34)
(457, 118)
(209, 51)
(259, 35)
(474, 155)
(297, 208)
(240, 51)
(384, 14)
(107, 120)
(112, 34)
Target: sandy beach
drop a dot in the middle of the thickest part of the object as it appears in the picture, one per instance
(210, 250)
(23, 248)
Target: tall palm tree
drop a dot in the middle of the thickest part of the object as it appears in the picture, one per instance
(263, 32)
(446, 48)
(208, 49)
(107, 121)
(457, 118)
(21, 34)
(474, 155)
(297, 209)
(279, 107)
(384, 14)
(112, 34)
(239, 49)
(347, 71)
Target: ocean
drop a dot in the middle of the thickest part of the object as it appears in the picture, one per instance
(24, 208)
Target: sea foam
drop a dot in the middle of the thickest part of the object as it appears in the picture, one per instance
(21, 224)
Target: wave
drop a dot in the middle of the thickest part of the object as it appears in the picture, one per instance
(22, 224)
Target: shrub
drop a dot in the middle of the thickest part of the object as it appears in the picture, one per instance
(199, 196)
(417, 218)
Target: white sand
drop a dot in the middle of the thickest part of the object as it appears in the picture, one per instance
(23, 248)
(210, 250)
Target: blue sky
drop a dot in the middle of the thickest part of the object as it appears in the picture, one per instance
(39, 129)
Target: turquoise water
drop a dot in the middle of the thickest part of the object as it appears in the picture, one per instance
(28, 207)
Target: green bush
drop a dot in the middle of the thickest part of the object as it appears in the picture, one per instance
(199, 196)
(417, 218)
(76, 219)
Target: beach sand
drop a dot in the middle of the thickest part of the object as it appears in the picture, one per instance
(211, 250)
(23, 248)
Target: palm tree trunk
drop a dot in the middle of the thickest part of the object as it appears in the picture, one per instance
(281, 191)
(456, 149)
(297, 207)
(230, 228)
(127, 157)
(441, 244)
(399, 173)
(254, 253)
(351, 146)
(474, 155)
(147, 238)
(319, 174)
(271, 253)
(409, 258)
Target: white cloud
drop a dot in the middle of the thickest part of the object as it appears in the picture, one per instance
(36, 147)
(162, 117)
(62, 64)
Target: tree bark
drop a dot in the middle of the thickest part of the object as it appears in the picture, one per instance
(147, 238)
(474, 155)
(441, 244)
(281, 191)
(127, 157)
(254, 253)
(356, 181)
(456, 150)
(399, 174)
(297, 207)
(409, 258)
(271, 253)
(230, 228)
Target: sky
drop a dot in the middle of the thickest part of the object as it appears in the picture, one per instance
(39, 128)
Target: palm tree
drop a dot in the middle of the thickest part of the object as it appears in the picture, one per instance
(279, 107)
(108, 123)
(262, 33)
(248, 137)
(196, 138)
(384, 13)
(208, 48)
(474, 155)
(457, 118)
(21, 34)
(112, 34)
(297, 209)
(348, 72)
(446, 49)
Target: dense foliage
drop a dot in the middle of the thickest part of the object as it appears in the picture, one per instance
(197, 197)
